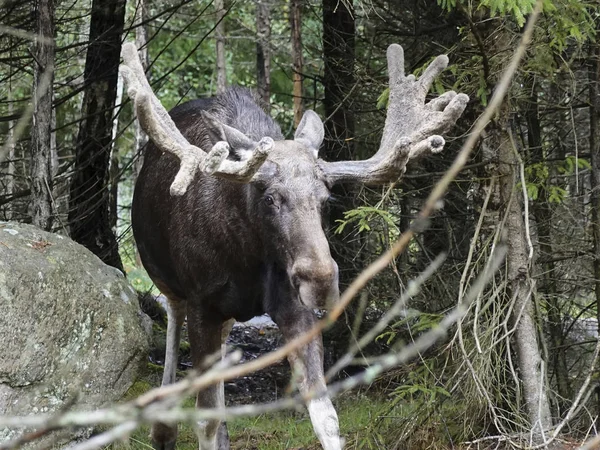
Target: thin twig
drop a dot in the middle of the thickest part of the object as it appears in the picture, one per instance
(19, 129)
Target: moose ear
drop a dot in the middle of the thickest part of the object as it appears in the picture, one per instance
(239, 143)
(310, 131)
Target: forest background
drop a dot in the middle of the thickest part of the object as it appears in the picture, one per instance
(71, 150)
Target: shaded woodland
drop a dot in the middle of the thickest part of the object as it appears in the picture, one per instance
(521, 367)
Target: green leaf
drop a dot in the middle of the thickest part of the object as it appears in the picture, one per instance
(532, 191)
(383, 99)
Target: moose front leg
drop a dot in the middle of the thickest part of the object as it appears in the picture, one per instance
(307, 363)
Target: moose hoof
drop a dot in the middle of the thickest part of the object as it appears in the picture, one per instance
(163, 445)
(163, 436)
(223, 437)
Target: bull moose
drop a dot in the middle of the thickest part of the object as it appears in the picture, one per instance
(227, 216)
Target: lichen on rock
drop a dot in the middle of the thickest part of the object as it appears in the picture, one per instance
(70, 326)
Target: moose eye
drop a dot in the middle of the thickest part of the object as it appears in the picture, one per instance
(269, 200)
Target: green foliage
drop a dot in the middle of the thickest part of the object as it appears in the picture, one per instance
(565, 24)
(140, 280)
(571, 19)
(518, 9)
(570, 163)
(363, 218)
(419, 387)
(482, 90)
(538, 178)
(383, 99)
(416, 321)
(556, 194)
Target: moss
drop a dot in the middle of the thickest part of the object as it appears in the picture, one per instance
(158, 328)
(184, 346)
(155, 368)
(138, 388)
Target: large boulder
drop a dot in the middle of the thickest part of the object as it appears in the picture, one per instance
(70, 326)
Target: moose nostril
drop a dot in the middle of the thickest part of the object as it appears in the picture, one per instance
(316, 281)
(296, 281)
(315, 271)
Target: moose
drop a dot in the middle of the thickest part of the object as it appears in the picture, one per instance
(228, 219)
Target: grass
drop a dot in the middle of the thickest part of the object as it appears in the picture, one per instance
(290, 430)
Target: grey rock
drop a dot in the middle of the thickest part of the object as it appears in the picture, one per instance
(70, 326)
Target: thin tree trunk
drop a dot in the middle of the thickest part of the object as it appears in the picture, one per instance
(220, 31)
(338, 82)
(522, 288)
(543, 217)
(297, 59)
(141, 40)
(89, 199)
(53, 148)
(41, 130)
(263, 52)
(338, 78)
(114, 170)
(10, 183)
(594, 92)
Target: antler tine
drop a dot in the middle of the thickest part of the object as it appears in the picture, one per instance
(136, 79)
(157, 123)
(243, 171)
(412, 127)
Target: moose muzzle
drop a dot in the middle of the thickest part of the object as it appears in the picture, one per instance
(316, 281)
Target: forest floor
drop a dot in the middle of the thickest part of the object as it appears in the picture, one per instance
(369, 418)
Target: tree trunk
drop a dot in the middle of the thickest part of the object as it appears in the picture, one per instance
(41, 130)
(543, 217)
(89, 198)
(141, 40)
(522, 287)
(594, 92)
(338, 82)
(263, 52)
(10, 182)
(338, 78)
(220, 31)
(297, 60)
(114, 171)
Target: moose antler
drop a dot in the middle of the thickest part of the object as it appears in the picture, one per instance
(412, 127)
(159, 126)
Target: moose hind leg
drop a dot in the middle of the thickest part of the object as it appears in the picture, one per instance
(206, 337)
(308, 363)
(164, 436)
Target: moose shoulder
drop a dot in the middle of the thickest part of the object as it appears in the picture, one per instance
(227, 216)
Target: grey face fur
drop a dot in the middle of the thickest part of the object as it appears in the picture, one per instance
(291, 203)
